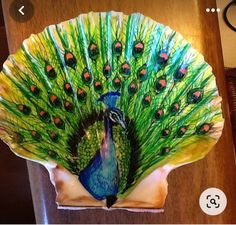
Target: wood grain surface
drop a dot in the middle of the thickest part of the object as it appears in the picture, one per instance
(188, 17)
(14, 185)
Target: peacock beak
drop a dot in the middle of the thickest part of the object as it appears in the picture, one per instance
(123, 124)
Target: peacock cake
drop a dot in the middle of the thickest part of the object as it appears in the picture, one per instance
(109, 104)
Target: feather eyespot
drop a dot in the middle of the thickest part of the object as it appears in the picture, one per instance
(174, 108)
(194, 96)
(164, 151)
(125, 68)
(160, 84)
(34, 89)
(116, 82)
(69, 106)
(147, 99)
(204, 128)
(93, 51)
(180, 74)
(142, 72)
(159, 113)
(138, 48)
(165, 133)
(81, 94)
(24, 109)
(59, 122)
(50, 72)
(117, 48)
(53, 136)
(44, 116)
(70, 59)
(107, 70)
(86, 76)
(162, 57)
(97, 86)
(133, 88)
(18, 138)
(68, 88)
(35, 135)
(54, 100)
(52, 154)
(181, 131)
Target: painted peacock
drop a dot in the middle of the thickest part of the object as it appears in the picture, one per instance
(110, 104)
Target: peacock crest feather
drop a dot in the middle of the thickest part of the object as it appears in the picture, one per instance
(111, 98)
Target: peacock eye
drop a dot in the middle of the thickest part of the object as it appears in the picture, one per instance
(113, 116)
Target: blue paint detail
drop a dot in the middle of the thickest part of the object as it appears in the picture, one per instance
(101, 176)
(109, 99)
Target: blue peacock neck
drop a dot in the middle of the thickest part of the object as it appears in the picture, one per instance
(108, 127)
(108, 148)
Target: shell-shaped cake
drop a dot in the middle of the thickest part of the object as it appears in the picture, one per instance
(109, 104)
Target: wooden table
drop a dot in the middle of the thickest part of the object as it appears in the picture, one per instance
(188, 17)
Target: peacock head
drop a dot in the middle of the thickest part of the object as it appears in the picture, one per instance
(116, 116)
(112, 112)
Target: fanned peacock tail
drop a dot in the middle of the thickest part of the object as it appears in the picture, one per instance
(50, 91)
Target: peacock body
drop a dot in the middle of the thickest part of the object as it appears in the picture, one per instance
(111, 99)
